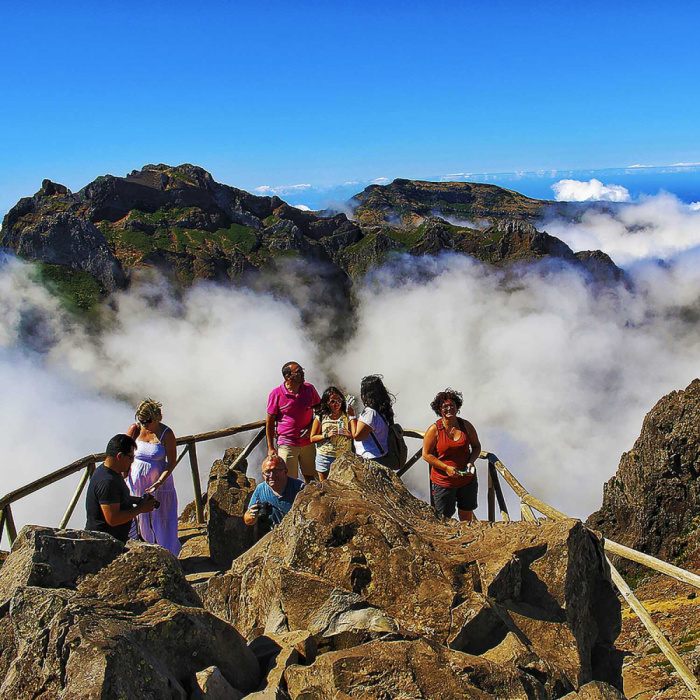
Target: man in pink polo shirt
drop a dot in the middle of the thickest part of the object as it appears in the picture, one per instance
(290, 410)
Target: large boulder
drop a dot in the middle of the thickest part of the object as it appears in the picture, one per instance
(359, 558)
(48, 558)
(408, 669)
(129, 627)
(652, 502)
(228, 495)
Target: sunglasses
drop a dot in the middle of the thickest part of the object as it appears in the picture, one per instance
(271, 472)
(145, 421)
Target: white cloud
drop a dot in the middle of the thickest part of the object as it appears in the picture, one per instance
(281, 190)
(380, 181)
(656, 227)
(591, 191)
(303, 207)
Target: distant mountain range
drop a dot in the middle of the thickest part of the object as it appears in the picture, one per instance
(180, 220)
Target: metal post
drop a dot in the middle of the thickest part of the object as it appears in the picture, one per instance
(10, 524)
(76, 496)
(195, 480)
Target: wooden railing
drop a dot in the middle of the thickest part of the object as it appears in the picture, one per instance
(528, 505)
(87, 466)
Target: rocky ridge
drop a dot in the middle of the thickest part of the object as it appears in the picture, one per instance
(180, 220)
(652, 502)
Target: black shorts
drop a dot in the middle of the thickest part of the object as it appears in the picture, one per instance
(462, 497)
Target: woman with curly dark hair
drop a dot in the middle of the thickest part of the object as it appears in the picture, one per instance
(450, 447)
(371, 429)
(330, 430)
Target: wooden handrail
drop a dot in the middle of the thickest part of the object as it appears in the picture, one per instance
(83, 462)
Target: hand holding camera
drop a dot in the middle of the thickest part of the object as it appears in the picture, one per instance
(149, 502)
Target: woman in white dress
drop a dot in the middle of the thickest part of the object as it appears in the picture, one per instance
(151, 472)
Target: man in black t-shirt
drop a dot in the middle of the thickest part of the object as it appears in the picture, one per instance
(109, 505)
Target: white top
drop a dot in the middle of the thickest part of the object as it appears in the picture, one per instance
(368, 447)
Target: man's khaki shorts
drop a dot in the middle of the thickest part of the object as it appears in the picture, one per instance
(299, 456)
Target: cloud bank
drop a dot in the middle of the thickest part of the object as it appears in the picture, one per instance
(591, 191)
(557, 374)
(657, 227)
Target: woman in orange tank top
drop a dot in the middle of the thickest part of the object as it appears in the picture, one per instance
(450, 447)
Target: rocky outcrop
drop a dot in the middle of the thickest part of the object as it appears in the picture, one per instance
(652, 502)
(360, 560)
(86, 617)
(228, 495)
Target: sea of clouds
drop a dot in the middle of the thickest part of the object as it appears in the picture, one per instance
(557, 372)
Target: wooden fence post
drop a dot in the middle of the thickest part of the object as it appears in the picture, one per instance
(248, 448)
(491, 499)
(10, 525)
(89, 469)
(493, 474)
(195, 480)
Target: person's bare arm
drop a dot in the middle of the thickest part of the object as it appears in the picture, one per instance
(170, 445)
(360, 430)
(115, 516)
(134, 431)
(316, 434)
(270, 433)
(429, 444)
(473, 441)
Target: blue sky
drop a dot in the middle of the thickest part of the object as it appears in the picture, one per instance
(282, 93)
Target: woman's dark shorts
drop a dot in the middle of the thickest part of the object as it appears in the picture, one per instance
(462, 497)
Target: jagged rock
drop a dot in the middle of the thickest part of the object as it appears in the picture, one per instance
(213, 686)
(132, 627)
(228, 495)
(275, 654)
(359, 557)
(62, 238)
(595, 691)
(403, 669)
(50, 558)
(652, 502)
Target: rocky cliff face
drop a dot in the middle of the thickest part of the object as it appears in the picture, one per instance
(652, 502)
(182, 221)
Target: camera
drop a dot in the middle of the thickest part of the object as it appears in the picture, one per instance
(265, 512)
(149, 495)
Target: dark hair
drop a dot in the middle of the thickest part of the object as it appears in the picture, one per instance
(443, 396)
(120, 443)
(374, 395)
(324, 408)
(287, 365)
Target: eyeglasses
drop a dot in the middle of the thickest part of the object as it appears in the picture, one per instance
(338, 401)
(271, 472)
(130, 457)
(290, 372)
(445, 406)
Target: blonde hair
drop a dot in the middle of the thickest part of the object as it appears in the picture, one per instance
(149, 408)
